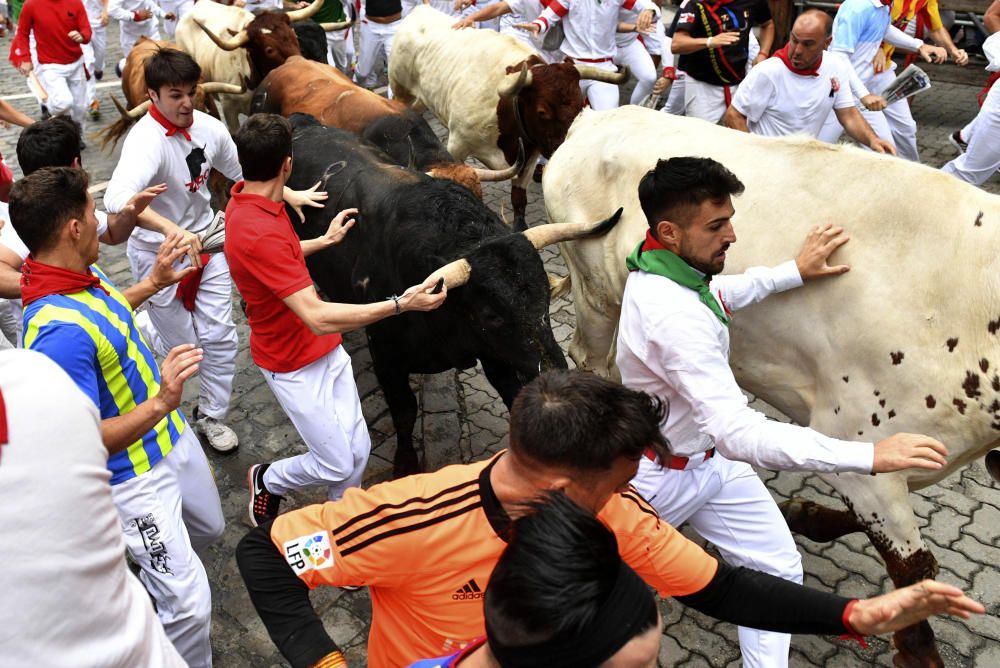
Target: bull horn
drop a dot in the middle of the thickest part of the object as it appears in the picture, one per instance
(333, 27)
(133, 113)
(305, 12)
(240, 39)
(553, 233)
(455, 273)
(219, 87)
(597, 74)
(511, 87)
(488, 175)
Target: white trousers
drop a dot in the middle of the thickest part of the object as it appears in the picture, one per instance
(90, 83)
(168, 513)
(706, 101)
(675, 99)
(129, 32)
(728, 505)
(66, 86)
(982, 158)
(376, 41)
(601, 95)
(99, 43)
(10, 321)
(641, 64)
(321, 400)
(210, 326)
(178, 8)
(337, 42)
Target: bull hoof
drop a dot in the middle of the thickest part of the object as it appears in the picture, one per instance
(520, 224)
(916, 648)
(901, 660)
(406, 463)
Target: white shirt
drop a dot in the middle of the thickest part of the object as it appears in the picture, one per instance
(860, 27)
(94, 9)
(150, 157)
(68, 597)
(673, 346)
(589, 25)
(779, 102)
(124, 9)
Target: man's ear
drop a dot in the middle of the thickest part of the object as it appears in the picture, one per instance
(74, 229)
(668, 233)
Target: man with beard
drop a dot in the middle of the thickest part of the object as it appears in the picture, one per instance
(673, 342)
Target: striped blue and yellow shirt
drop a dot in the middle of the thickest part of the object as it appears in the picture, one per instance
(94, 338)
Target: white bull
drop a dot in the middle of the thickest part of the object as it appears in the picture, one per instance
(232, 67)
(908, 340)
(471, 80)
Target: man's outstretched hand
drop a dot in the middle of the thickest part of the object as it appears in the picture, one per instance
(909, 605)
(909, 451)
(820, 244)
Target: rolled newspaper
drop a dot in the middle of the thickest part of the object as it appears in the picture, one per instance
(213, 237)
(910, 81)
(36, 88)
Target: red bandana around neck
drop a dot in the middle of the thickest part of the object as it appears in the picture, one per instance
(41, 280)
(782, 53)
(170, 127)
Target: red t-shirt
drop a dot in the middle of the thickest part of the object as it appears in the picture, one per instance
(266, 263)
(51, 21)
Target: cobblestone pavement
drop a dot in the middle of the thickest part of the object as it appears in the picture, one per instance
(462, 419)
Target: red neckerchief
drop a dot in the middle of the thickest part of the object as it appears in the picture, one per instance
(3, 421)
(170, 127)
(782, 53)
(651, 242)
(187, 288)
(41, 280)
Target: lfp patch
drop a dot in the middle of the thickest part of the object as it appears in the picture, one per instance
(311, 552)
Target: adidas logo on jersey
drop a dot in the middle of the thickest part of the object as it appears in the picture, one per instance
(469, 591)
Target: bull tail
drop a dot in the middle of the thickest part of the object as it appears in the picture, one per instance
(112, 134)
(604, 226)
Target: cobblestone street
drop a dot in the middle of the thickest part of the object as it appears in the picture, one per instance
(462, 419)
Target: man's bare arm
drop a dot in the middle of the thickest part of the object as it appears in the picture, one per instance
(10, 273)
(735, 120)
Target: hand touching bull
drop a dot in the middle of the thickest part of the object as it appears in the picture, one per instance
(900, 451)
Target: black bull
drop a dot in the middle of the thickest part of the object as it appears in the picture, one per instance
(408, 226)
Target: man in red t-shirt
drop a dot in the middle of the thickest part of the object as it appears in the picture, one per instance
(294, 335)
(60, 27)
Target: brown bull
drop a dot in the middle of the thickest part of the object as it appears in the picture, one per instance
(322, 91)
(269, 38)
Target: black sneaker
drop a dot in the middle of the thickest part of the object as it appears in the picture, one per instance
(956, 140)
(263, 504)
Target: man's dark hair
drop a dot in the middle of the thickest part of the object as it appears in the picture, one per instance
(170, 67)
(262, 144)
(54, 142)
(553, 578)
(42, 202)
(583, 422)
(675, 187)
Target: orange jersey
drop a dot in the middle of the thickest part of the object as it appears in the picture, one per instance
(903, 12)
(425, 546)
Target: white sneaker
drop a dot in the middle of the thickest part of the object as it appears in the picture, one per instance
(218, 435)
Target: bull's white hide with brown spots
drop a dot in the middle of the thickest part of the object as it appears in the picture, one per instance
(908, 340)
